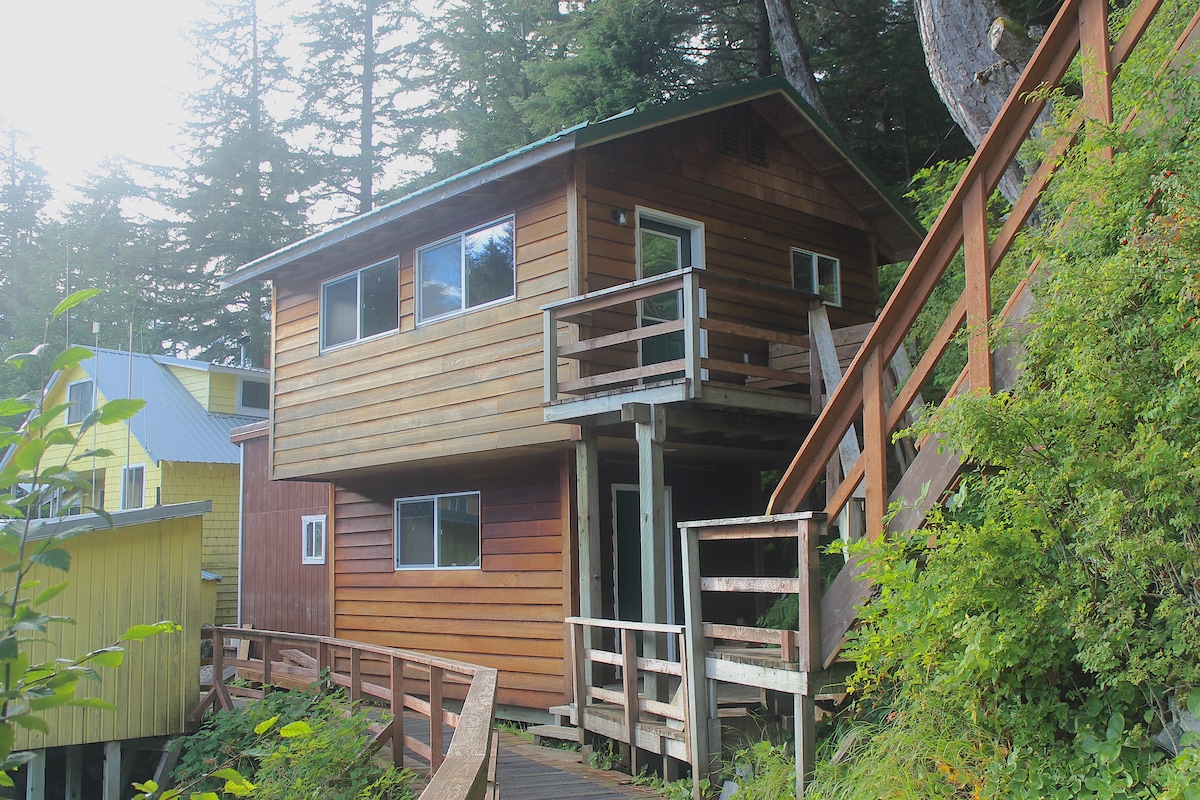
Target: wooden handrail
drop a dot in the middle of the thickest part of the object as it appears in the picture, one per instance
(459, 773)
(960, 224)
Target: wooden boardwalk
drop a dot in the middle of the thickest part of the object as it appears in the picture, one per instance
(530, 772)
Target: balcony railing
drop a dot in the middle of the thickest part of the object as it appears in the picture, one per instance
(723, 333)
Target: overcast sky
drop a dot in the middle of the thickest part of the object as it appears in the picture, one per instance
(91, 78)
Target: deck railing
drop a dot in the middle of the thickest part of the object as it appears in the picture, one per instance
(404, 680)
(648, 707)
(725, 327)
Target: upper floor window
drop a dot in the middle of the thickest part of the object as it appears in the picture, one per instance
(82, 400)
(254, 397)
(360, 305)
(467, 270)
(133, 487)
(819, 274)
(439, 531)
(314, 539)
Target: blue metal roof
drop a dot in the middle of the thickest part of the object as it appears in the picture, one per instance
(173, 425)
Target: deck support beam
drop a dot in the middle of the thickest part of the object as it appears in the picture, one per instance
(650, 423)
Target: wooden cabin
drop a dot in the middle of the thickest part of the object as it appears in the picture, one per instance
(140, 569)
(516, 380)
(285, 578)
(175, 450)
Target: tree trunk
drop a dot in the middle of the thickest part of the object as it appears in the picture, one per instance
(971, 78)
(786, 36)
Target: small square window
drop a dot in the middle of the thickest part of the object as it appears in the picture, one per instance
(438, 532)
(818, 274)
(81, 397)
(254, 397)
(314, 539)
(360, 305)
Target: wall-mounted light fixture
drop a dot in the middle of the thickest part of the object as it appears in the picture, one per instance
(620, 216)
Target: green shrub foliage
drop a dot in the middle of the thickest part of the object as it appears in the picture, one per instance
(291, 745)
(1047, 625)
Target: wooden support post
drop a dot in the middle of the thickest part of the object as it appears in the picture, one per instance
(355, 675)
(1096, 57)
(436, 719)
(579, 678)
(809, 651)
(73, 774)
(651, 431)
(112, 772)
(397, 711)
(694, 650)
(820, 334)
(549, 356)
(587, 492)
(266, 659)
(978, 288)
(35, 776)
(629, 694)
(874, 445)
(691, 333)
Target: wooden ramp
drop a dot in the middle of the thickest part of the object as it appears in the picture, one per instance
(530, 772)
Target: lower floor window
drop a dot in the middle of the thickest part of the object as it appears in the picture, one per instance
(314, 539)
(438, 531)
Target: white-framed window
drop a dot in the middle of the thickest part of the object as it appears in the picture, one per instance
(438, 531)
(817, 273)
(254, 397)
(82, 397)
(314, 539)
(133, 486)
(361, 305)
(470, 269)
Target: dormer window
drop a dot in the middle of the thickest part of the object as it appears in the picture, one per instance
(817, 273)
(361, 305)
(467, 270)
(254, 397)
(82, 399)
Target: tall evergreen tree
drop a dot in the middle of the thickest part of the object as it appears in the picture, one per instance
(355, 75)
(29, 286)
(241, 195)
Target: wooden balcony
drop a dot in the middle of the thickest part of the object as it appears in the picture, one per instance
(605, 349)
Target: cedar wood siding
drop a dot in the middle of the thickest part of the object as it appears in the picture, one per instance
(279, 593)
(753, 215)
(508, 614)
(452, 387)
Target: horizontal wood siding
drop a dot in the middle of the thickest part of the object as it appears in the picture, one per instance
(508, 614)
(279, 592)
(753, 215)
(461, 385)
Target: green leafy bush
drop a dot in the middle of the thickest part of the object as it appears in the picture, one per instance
(331, 760)
(1032, 640)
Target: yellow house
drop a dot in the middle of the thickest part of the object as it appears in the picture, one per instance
(175, 450)
(141, 569)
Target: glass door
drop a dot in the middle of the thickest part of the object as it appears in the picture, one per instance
(662, 248)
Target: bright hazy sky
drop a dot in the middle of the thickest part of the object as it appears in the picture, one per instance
(88, 79)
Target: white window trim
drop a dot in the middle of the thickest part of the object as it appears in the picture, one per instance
(71, 410)
(251, 411)
(436, 541)
(695, 226)
(462, 272)
(125, 470)
(814, 289)
(359, 338)
(305, 556)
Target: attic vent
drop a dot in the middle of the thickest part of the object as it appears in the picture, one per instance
(756, 146)
(728, 138)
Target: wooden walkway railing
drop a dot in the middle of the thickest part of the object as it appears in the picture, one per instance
(1080, 28)
(402, 679)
